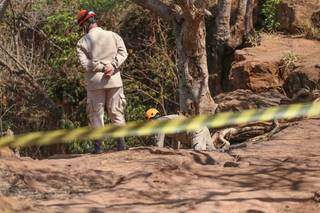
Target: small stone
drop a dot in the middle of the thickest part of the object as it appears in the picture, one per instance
(316, 196)
(230, 164)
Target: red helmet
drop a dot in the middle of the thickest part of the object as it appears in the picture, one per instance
(84, 15)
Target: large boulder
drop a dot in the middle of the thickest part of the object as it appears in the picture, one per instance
(248, 73)
(241, 99)
(295, 16)
(279, 61)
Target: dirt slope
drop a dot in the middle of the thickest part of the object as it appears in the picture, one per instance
(280, 175)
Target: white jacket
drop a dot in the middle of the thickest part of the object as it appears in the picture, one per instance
(96, 49)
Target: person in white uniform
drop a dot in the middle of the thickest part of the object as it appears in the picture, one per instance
(101, 53)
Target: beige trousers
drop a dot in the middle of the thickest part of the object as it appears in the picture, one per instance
(199, 139)
(113, 99)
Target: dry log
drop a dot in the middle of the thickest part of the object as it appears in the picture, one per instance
(236, 137)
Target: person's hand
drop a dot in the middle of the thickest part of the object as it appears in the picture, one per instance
(108, 70)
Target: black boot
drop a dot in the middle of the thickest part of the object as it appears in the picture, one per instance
(97, 147)
(121, 144)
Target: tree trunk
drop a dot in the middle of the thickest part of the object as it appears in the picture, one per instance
(195, 97)
(249, 18)
(3, 7)
(238, 29)
(219, 39)
(226, 38)
(188, 21)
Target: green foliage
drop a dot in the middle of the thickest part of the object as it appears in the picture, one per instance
(56, 26)
(270, 12)
(79, 147)
(101, 5)
(149, 73)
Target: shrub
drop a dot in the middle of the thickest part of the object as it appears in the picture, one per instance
(269, 13)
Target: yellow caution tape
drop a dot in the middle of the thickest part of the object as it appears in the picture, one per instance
(164, 126)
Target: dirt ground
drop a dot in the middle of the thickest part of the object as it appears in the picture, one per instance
(280, 175)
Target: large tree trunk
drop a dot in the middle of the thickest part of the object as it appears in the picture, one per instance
(187, 18)
(227, 37)
(238, 29)
(218, 44)
(3, 7)
(195, 97)
(249, 28)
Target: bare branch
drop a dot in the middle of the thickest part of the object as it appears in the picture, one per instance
(150, 88)
(25, 69)
(4, 64)
(196, 10)
(157, 7)
(42, 34)
(3, 6)
(208, 13)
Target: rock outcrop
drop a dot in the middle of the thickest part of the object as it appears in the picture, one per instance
(279, 62)
(241, 99)
(295, 15)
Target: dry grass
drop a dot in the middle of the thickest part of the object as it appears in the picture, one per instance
(288, 63)
(310, 31)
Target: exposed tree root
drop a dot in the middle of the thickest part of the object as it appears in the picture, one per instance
(238, 137)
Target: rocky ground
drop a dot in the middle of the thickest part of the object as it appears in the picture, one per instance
(279, 61)
(280, 175)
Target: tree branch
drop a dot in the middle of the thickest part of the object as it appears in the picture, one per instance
(156, 6)
(4, 64)
(194, 7)
(25, 69)
(3, 6)
(35, 29)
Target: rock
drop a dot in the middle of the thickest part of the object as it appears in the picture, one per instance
(299, 81)
(295, 15)
(241, 99)
(316, 196)
(256, 76)
(275, 63)
(230, 164)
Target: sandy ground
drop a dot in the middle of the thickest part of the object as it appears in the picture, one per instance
(280, 175)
